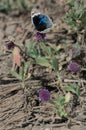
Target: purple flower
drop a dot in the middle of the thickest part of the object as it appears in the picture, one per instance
(44, 95)
(40, 36)
(73, 67)
(9, 45)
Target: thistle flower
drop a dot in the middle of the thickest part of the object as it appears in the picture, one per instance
(44, 95)
(73, 67)
(9, 45)
(40, 36)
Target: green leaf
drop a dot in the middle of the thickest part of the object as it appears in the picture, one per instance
(46, 49)
(61, 101)
(74, 89)
(55, 64)
(32, 51)
(49, 51)
(26, 67)
(43, 62)
(15, 74)
(21, 72)
(3, 6)
(60, 106)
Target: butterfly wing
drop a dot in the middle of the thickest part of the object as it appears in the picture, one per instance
(42, 22)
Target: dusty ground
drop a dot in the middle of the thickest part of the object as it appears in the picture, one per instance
(14, 113)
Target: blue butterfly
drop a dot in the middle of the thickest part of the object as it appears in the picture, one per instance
(41, 22)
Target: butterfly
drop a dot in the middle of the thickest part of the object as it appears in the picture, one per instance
(41, 22)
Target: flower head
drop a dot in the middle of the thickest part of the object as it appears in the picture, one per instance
(44, 95)
(9, 45)
(40, 36)
(73, 67)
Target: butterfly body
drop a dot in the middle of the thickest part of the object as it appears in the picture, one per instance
(41, 22)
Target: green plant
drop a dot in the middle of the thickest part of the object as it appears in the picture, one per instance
(44, 55)
(13, 5)
(76, 15)
(22, 75)
(59, 104)
(73, 88)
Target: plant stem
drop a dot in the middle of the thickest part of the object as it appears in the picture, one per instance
(23, 84)
(59, 76)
